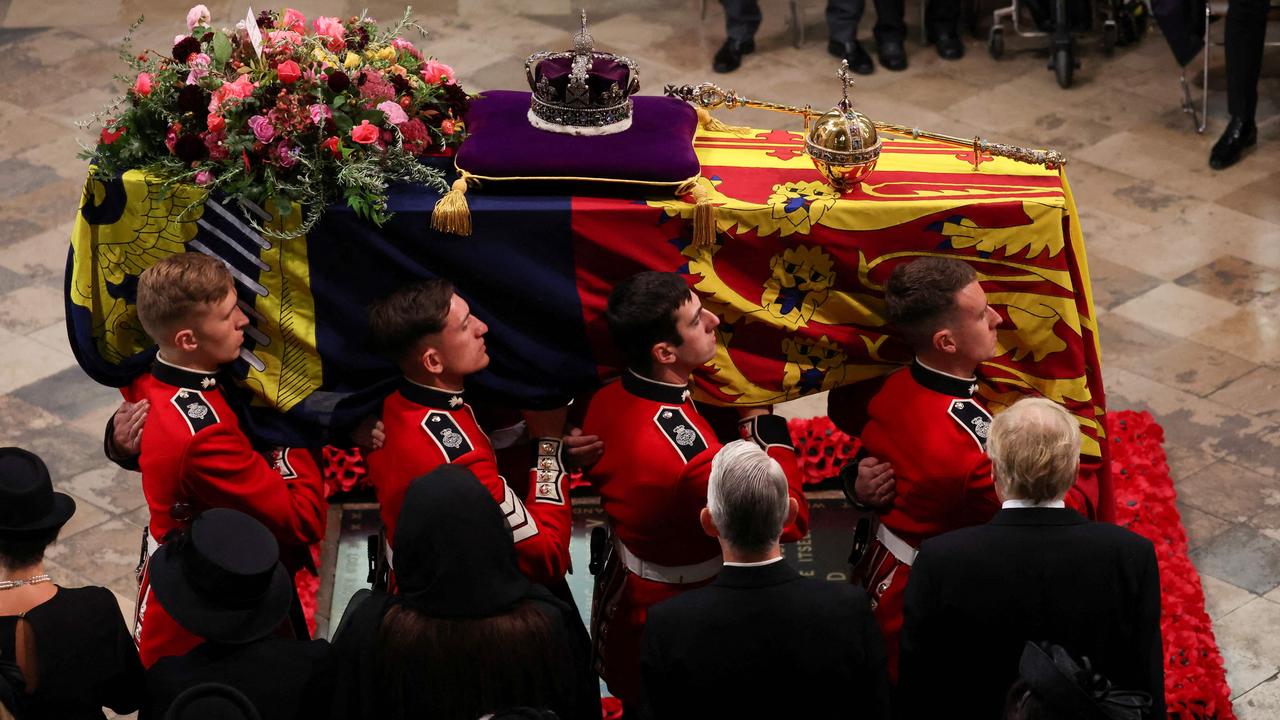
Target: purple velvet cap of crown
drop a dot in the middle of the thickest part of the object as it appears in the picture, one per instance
(604, 72)
(658, 147)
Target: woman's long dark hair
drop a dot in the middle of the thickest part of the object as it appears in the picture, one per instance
(463, 668)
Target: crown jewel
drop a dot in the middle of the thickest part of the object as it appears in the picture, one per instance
(581, 91)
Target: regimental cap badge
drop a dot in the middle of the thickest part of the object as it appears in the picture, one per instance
(582, 91)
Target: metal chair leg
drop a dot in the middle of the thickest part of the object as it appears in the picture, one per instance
(797, 23)
(1204, 80)
(1188, 106)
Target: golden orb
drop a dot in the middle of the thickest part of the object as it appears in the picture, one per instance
(843, 143)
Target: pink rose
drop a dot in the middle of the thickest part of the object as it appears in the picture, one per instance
(289, 72)
(216, 124)
(294, 20)
(204, 177)
(406, 46)
(435, 72)
(332, 145)
(262, 129)
(171, 138)
(198, 15)
(319, 114)
(284, 40)
(142, 85)
(364, 133)
(447, 127)
(285, 155)
(330, 27)
(241, 88)
(395, 113)
(199, 68)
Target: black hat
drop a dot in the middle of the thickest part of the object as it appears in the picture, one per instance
(28, 504)
(212, 701)
(1074, 689)
(222, 578)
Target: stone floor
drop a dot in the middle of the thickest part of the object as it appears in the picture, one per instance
(1185, 260)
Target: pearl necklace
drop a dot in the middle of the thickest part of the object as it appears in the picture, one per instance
(10, 584)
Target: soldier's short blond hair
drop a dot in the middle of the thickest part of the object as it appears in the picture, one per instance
(1035, 450)
(173, 290)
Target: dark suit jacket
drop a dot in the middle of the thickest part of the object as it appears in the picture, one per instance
(977, 595)
(764, 642)
(283, 678)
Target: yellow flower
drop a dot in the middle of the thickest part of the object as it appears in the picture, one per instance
(387, 53)
(352, 61)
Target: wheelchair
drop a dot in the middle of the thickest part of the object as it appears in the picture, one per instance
(1062, 21)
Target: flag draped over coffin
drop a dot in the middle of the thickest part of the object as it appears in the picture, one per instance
(796, 273)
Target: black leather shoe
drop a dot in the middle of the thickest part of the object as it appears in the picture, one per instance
(729, 56)
(950, 47)
(1238, 136)
(859, 60)
(893, 56)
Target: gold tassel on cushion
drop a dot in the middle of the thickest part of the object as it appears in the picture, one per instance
(710, 124)
(451, 213)
(704, 217)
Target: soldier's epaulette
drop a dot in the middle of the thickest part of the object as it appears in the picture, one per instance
(446, 433)
(680, 431)
(195, 409)
(973, 418)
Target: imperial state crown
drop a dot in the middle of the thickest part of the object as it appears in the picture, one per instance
(581, 91)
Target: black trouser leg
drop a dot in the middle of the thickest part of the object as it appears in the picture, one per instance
(889, 19)
(843, 17)
(741, 19)
(942, 14)
(1246, 34)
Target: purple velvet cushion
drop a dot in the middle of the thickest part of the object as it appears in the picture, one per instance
(658, 147)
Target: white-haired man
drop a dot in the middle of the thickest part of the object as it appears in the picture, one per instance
(705, 652)
(1037, 571)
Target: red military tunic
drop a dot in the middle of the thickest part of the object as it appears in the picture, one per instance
(932, 429)
(427, 427)
(194, 457)
(652, 481)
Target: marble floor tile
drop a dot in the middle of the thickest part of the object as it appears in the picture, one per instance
(1232, 279)
(102, 557)
(30, 308)
(1201, 527)
(53, 336)
(24, 361)
(1243, 557)
(1260, 198)
(1177, 310)
(1227, 491)
(1245, 671)
(1260, 703)
(87, 516)
(1252, 630)
(1221, 597)
(1183, 461)
(68, 394)
(1255, 393)
(1114, 283)
(1252, 332)
(1183, 364)
(21, 418)
(42, 255)
(108, 486)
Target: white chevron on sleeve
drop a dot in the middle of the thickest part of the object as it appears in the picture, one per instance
(521, 522)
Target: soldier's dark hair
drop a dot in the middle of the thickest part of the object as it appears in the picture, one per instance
(399, 322)
(16, 553)
(642, 313)
(921, 296)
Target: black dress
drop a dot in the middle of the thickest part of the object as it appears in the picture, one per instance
(85, 657)
(283, 678)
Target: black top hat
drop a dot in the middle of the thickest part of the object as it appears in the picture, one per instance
(28, 504)
(222, 579)
(212, 701)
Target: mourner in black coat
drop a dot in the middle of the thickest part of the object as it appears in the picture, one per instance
(223, 581)
(1037, 571)
(761, 641)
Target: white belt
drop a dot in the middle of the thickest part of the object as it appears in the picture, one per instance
(896, 545)
(152, 545)
(671, 574)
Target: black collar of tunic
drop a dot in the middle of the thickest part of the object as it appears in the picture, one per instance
(648, 389)
(183, 377)
(943, 383)
(431, 397)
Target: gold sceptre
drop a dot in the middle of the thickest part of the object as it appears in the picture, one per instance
(712, 97)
